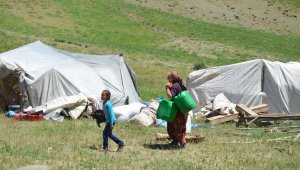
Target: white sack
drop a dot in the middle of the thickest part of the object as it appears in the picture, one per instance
(125, 112)
(146, 117)
(221, 102)
(153, 104)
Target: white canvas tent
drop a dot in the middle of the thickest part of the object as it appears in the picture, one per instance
(252, 83)
(37, 74)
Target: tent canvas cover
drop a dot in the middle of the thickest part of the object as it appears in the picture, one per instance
(36, 74)
(252, 83)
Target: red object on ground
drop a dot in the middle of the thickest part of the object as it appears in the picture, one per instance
(33, 117)
(28, 117)
(18, 117)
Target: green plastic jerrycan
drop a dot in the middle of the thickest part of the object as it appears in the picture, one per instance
(185, 102)
(167, 110)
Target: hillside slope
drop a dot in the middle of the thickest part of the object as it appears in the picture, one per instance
(153, 39)
(259, 14)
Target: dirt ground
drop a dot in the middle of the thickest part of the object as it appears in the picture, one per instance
(256, 14)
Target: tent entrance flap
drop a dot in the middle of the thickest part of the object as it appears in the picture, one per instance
(10, 90)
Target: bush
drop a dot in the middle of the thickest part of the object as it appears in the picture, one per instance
(199, 66)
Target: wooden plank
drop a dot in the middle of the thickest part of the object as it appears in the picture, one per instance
(286, 138)
(222, 118)
(253, 120)
(161, 136)
(277, 115)
(239, 142)
(263, 108)
(196, 139)
(296, 138)
(238, 134)
(243, 108)
(273, 117)
(289, 129)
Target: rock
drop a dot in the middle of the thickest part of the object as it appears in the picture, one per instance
(34, 167)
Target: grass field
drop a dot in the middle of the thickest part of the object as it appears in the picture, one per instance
(153, 42)
(67, 146)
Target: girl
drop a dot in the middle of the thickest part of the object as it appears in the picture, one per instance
(110, 122)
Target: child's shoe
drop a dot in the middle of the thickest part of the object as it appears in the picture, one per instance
(103, 150)
(120, 148)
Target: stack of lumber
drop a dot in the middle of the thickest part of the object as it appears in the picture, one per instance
(253, 111)
(249, 115)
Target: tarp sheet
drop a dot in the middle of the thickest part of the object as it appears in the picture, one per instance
(37, 73)
(252, 83)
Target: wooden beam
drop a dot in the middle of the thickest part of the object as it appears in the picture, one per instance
(277, 116)
(289, 129)
(222, 118)
(243, 108)
(263, 108)
(296, 138)
(196, 139)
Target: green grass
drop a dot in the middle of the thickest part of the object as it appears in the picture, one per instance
(295, 3)
(278, 45)
(66, 146)
(140, 34)
(106, 24)
(147, 38)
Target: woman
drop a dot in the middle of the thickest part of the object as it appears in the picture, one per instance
(177, 128)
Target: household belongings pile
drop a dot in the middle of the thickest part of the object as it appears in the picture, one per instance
(133, 112)
(220, 105)
(251, 83)
(220, 110)
(14, 111)
(138, 113)
(147, 115)
(47, 79)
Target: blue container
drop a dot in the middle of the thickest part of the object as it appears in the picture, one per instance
(10, 113)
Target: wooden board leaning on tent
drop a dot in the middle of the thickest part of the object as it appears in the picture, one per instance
(242, 108)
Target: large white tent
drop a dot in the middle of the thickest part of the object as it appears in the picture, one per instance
(36, 74)
(251, 83)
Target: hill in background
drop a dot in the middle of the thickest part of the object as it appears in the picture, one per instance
(272, 16)
(158, 37)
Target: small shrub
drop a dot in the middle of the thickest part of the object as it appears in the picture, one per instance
(199, 66)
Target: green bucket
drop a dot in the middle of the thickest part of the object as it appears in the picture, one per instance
(185, 102)
(167, 110)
